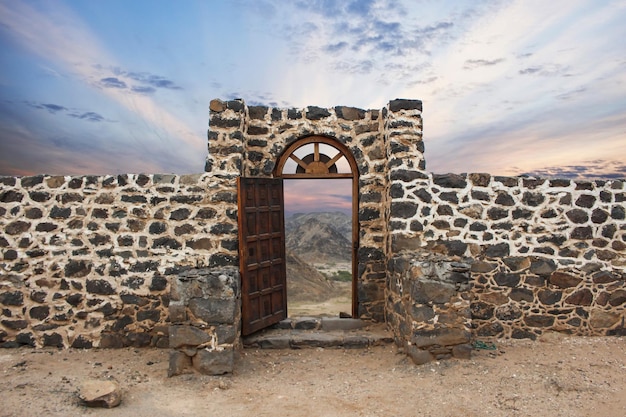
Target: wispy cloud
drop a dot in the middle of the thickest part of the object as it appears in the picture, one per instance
(508, 86)
(90, 116)
(148, 83)
(33, 151)
(476, 63)
(572, 93)
(153, 80)
(529, 144)
(112, 82)
(597, 169)
(549, 70)
(360, 67)
(58, 35)
(312, 195)
(362, 31)
(143, 89)
(51, 108)
(336, 47)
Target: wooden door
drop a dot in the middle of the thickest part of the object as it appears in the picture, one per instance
(261, 253)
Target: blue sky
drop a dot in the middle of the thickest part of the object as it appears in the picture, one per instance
(509, 87)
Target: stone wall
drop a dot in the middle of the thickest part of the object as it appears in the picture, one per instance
(87, 261)
(428, 306)
(249, 140)
(205, 316)
(544, 254)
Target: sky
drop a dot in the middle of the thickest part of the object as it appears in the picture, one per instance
(508, 87)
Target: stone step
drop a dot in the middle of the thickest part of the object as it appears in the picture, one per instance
(321, 323)
(314, 332)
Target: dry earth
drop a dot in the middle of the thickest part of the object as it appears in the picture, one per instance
(332, 306)
(557, 376)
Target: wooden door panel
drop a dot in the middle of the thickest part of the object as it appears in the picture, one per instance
(261, 253)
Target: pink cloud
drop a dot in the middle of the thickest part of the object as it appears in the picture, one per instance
(303, 196)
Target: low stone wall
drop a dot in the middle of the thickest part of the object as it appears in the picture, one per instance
(545, 254)
(522, 297)
(477, 215)
(436, 303)
(205, 316)
(428, 306)
(87, 261)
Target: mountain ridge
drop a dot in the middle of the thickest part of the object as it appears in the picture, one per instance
(315, 238)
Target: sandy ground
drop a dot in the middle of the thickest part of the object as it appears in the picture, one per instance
(342, 302)
(558, 376)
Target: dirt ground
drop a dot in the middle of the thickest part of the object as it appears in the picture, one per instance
(556, 376)
(331, 307)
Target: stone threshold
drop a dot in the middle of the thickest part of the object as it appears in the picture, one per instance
(316, 332)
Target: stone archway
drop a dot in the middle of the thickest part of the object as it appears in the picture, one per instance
(386, 144)
(323, 157)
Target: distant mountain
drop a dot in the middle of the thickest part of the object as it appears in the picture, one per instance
(305, 283)
(338, 220)
(316, 237)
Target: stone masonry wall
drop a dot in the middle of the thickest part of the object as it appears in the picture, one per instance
(544, 254)
(249, 140)
(205, 316)
(87, 261)
(428, 306)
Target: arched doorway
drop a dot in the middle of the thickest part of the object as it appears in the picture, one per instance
(321, 157)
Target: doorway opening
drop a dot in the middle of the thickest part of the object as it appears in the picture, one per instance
(318, 242)
(321, 196)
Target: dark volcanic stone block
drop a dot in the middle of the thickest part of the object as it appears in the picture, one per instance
(403, 104)
(213, 310)
(450, 181)
(99, 286)
(564, 280)
(215, 362)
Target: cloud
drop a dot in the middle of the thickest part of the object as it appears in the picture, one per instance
(341, 197)
(350, 36)
(148, 83)
(56, 34)
(326, 8)
(572, 94)
(428, 80)
(336, 47)
(52, 108)
(389, 28)
(548, 70)
(476, 63)
(256, 98)
(360, 7)
(153, 80)
(143, 89)
(310, 195)
(530, 141)
(531, 70)
(57, 108)
(360, 67)
(586, 170)
(433, 30)
(112, 82)
(89, 116)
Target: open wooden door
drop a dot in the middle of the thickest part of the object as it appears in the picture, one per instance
(261, 253)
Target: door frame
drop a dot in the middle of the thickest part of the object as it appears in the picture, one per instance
(354, 175)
